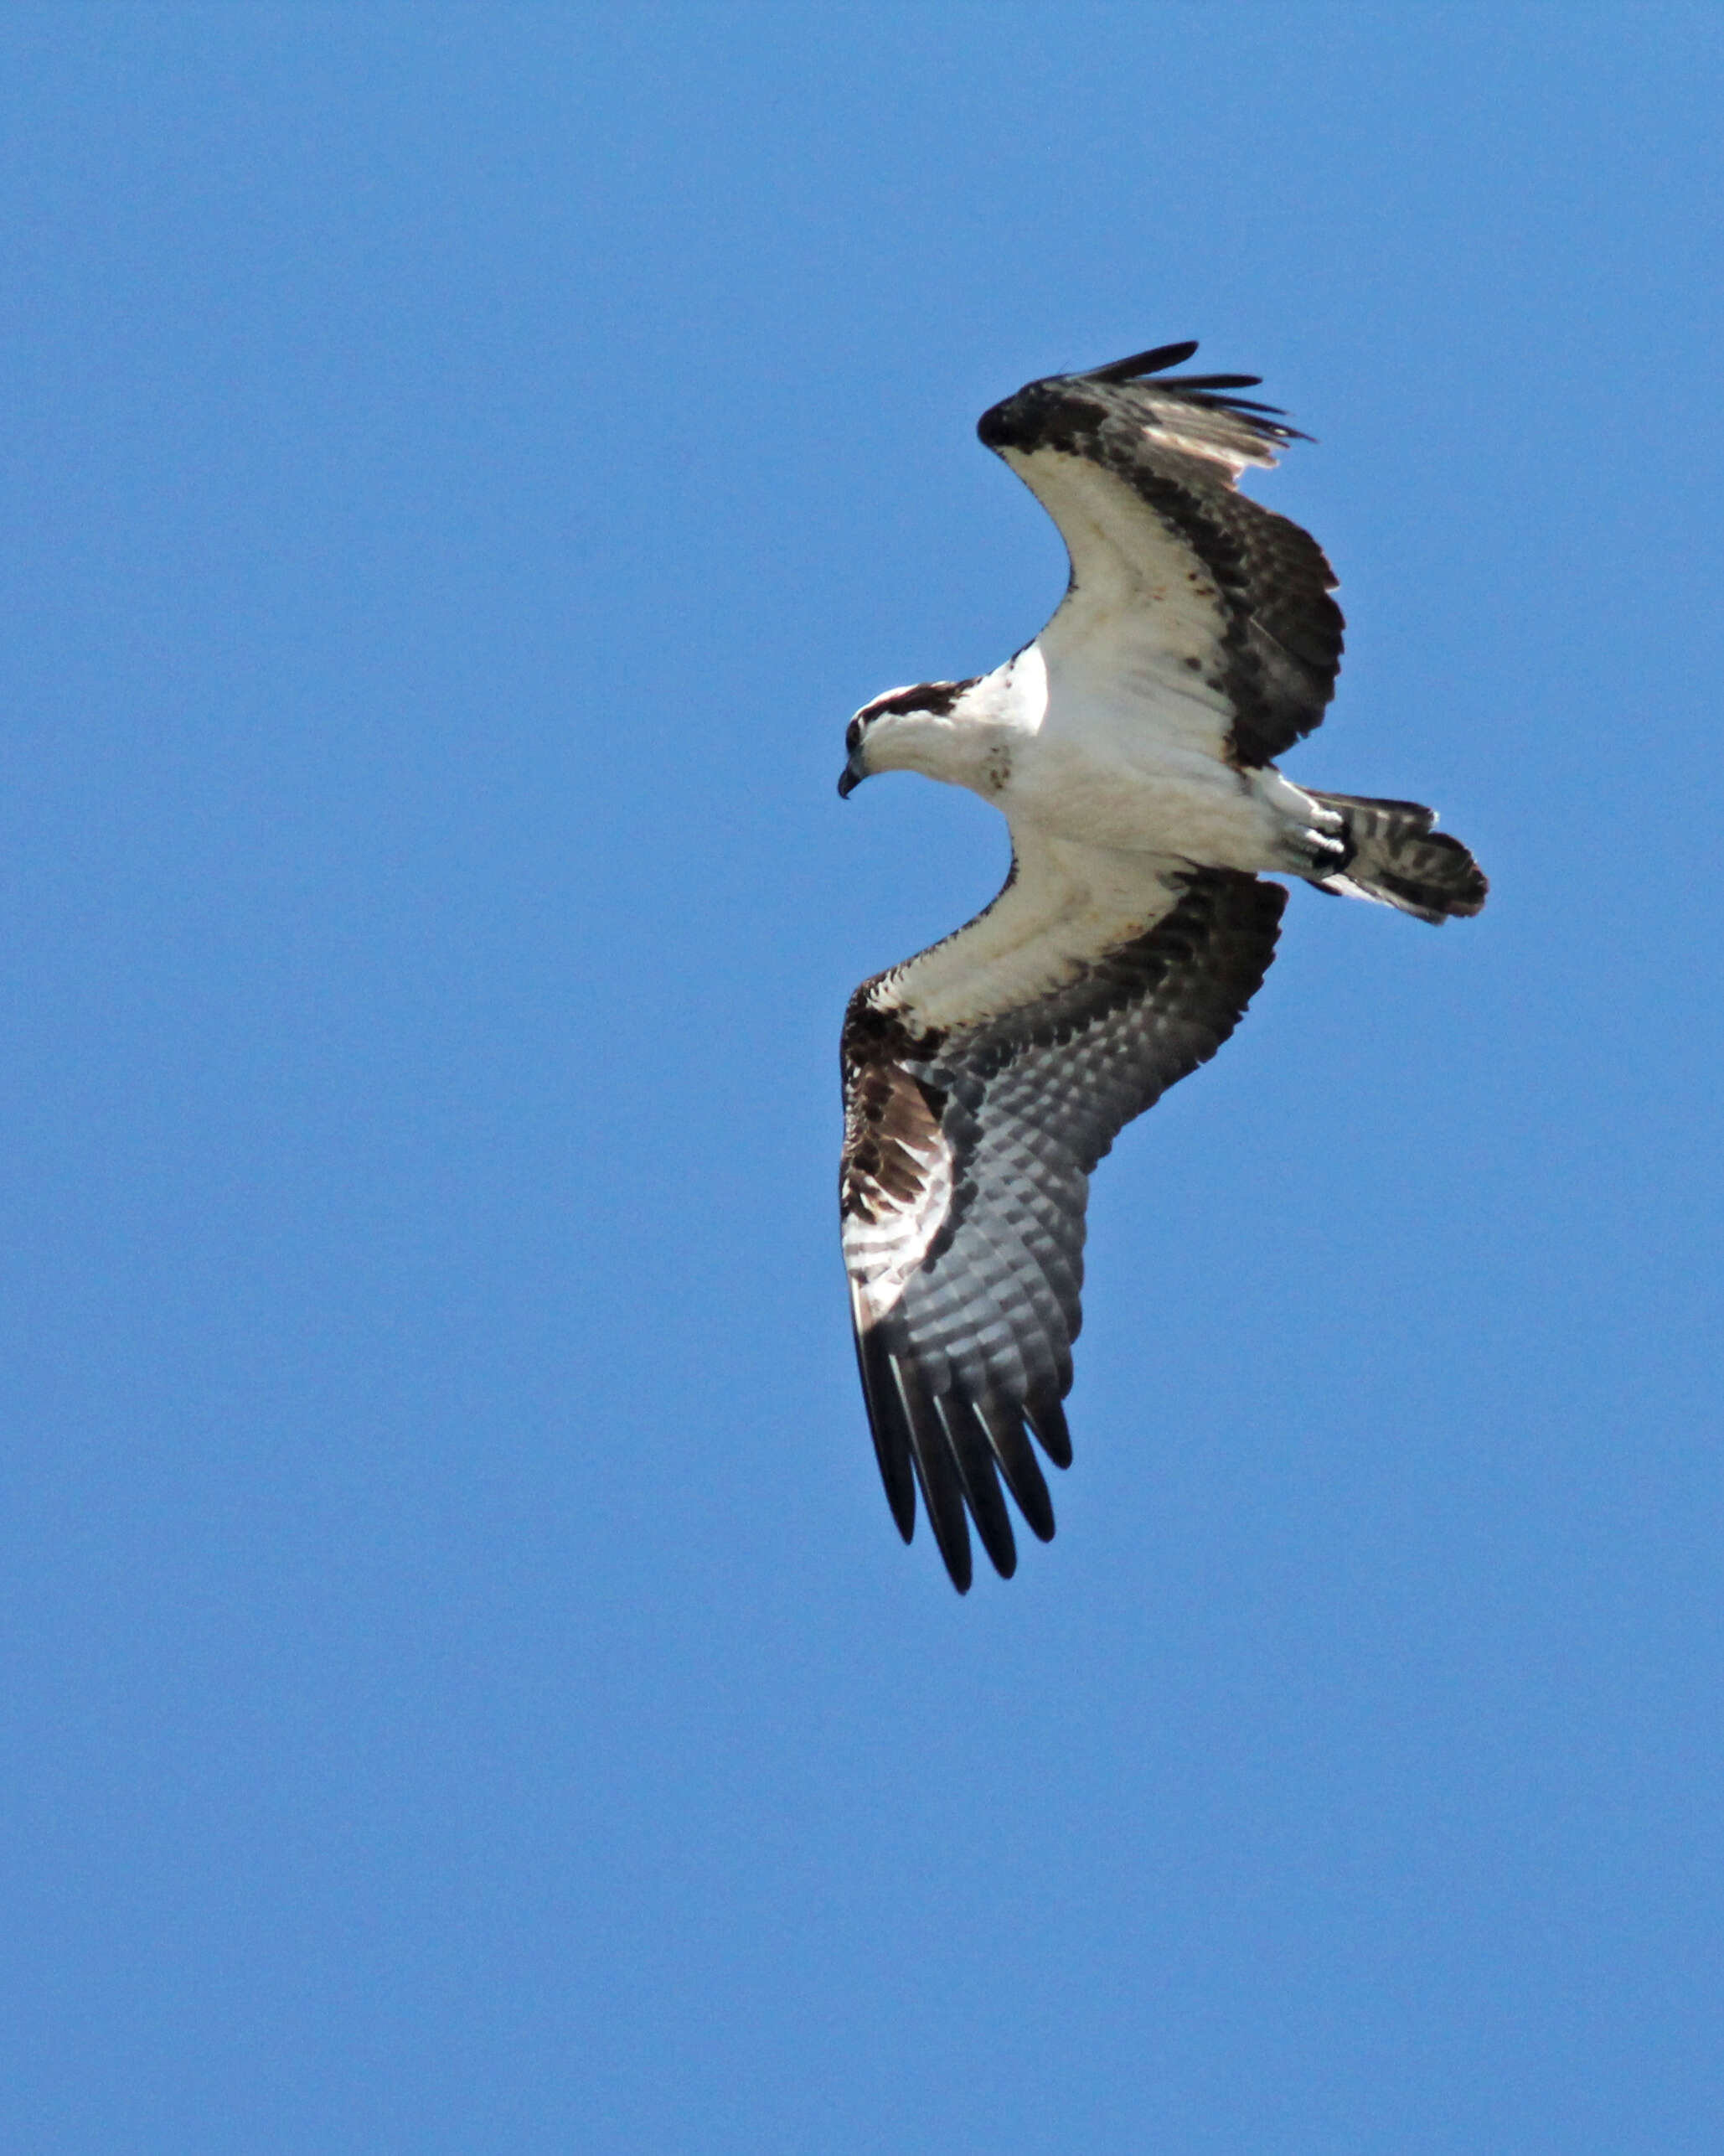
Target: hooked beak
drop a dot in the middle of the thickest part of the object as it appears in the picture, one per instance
(850, 778)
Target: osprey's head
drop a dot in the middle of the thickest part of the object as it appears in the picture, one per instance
(904, 730)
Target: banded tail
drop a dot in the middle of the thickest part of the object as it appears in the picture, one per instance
(1400, 861)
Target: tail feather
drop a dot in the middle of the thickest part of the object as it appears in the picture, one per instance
(1398, 860)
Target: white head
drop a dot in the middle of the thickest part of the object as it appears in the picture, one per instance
(944, 729)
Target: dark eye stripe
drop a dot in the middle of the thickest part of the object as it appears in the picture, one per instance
(937, 697)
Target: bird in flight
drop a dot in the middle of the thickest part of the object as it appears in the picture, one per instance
(1131, 749)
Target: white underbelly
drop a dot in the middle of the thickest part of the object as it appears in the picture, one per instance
(1183, 802)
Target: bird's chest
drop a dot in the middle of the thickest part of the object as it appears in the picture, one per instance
(1117, 772)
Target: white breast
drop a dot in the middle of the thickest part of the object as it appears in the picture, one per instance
(1124, 756)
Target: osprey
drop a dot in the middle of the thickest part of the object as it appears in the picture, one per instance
(1131, 748)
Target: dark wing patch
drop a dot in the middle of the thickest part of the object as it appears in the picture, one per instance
(1179, 443)
(966, 1174)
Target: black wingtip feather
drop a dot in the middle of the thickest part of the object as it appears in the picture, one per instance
(1216, 381)
(892, 1442)
(1144, 362)
(1018, 1463)
(1047, 1419)
(942, 1493)
(936, 1470)
(980, 1484)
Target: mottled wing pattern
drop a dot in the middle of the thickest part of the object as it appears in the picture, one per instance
(966, 1172)
(1090, 445)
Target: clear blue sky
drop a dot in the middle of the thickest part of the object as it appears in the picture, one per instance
(463, 1689)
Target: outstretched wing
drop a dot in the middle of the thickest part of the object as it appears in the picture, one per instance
(1200, 593)
(967, 1152)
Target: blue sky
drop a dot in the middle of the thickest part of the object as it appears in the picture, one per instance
(463, 1689)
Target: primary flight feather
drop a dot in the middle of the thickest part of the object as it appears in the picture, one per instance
(1130, 748)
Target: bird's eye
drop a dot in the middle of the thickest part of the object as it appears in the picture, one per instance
(853, 735)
